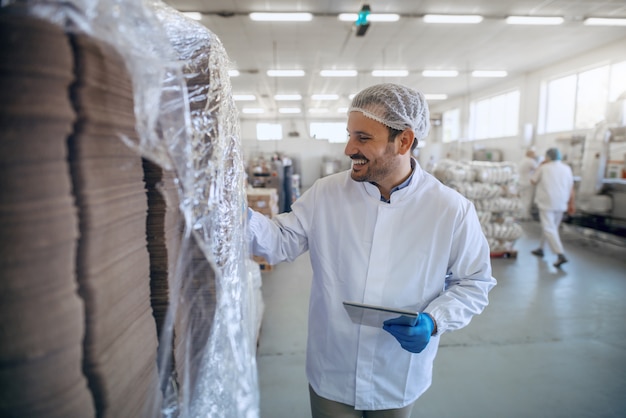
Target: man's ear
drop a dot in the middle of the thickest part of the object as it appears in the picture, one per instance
(406, 139)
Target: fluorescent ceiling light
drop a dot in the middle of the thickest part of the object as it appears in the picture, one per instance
(233, 73)
(390, 73)
(600, 21)
(440, 73)
(452, 18)
(252, 110)
(244, 97)
(193, 15)
(338, 73)
(342, 110)
(318, 110)
(372, 17)
(289, 110)
(285, 73)
(281, 17)
(287, 97)
(435, 96)
(325, 97)
(534, 20)
(489, 73)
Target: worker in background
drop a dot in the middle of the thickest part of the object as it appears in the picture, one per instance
(526, 168)
(554, 195)
(384, 233)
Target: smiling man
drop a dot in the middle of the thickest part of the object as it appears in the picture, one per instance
(383, 233)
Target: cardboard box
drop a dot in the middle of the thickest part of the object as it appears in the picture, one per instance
(263, 264)
(263, 200)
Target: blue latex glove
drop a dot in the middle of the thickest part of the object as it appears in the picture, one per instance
(415, 338)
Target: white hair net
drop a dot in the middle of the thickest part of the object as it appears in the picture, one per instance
(396, 106)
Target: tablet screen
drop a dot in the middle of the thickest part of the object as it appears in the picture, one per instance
(374, 316)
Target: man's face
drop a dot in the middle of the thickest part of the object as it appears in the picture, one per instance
(374, 158)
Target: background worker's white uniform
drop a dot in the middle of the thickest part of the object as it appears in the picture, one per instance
(554, 182)
(393, 254)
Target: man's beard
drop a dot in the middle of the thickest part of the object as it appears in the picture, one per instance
(378, 170)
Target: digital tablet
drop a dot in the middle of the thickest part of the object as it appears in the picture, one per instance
(374, 316)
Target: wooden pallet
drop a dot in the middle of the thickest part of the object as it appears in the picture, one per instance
(504, 254)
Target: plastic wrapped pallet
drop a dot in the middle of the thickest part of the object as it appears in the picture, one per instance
(186, 123)
(492, 187)
(224, 381)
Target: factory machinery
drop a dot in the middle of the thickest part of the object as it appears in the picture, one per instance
(601, 201)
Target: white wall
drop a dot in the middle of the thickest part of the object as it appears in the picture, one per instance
(307, 153)
(311, 152)
(529, 85)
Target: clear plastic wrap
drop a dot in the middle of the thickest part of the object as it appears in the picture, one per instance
(214, 201)
(187, 123)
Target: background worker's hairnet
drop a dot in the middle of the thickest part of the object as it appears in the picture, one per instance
(553, 154)
(395, 106)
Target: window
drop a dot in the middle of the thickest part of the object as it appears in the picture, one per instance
(591, 97)
(269, 131)
(495, 117)
(579, 101)
(332, 131)
(617, 84)
(451, 124)
(561, 102)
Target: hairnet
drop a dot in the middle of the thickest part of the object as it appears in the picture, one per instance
(553, 154)
(395, 106)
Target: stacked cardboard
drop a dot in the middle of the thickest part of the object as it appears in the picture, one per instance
(112, 262)
(164, 234)
(42, 319)
(197, 301)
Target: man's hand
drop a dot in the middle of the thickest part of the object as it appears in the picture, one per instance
(415, 338)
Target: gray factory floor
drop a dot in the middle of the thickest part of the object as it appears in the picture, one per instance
(552, 343)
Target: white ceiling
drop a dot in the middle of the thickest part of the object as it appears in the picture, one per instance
(409, 44)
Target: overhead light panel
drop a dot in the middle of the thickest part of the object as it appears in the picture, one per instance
(285, 73)
(601, 21)
(289, 110)
(372, 17)
(534, 20)
(318, 110)
(193, 15)
(233, 73)
(244, 97)
(287, 97)
(281, 17)
(432, 96)
(489, 73)
(252, 110)
(452, 18)
(325, 97)
(338, 73)
(390, 73)
(440, 73)
(342, 110)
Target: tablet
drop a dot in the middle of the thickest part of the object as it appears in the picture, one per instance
(374, 316)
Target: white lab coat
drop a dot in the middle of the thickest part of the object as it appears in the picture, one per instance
(554, 181)
(392, 254)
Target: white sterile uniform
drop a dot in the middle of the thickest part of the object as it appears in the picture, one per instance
(392, 254)
(554, 181)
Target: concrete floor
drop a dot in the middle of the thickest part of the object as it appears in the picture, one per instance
(552, 343)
